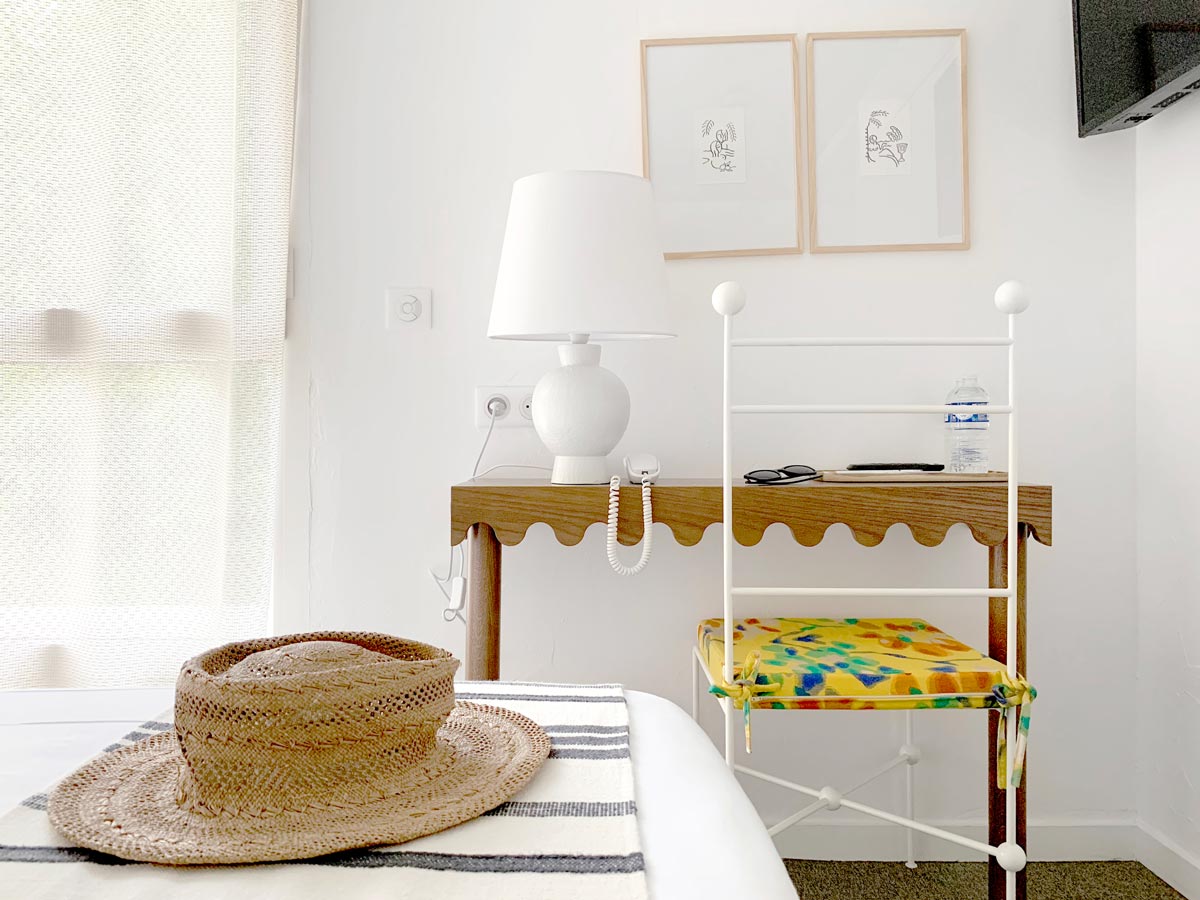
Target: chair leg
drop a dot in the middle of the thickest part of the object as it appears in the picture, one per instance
(695, 686)
(730, 726)
(912, 755)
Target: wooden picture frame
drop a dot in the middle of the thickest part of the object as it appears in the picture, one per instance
(936, 100)
(753, 208)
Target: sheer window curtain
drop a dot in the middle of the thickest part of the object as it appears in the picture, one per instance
(145, 170)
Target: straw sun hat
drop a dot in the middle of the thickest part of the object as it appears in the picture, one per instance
(296, 746)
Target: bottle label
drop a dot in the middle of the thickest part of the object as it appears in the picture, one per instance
(965, 417)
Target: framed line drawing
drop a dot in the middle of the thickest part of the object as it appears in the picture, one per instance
(721, 144)
(887, 141)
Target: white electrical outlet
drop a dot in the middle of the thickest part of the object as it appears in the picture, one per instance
(516, 405)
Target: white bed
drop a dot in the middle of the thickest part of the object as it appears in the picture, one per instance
(682, 784)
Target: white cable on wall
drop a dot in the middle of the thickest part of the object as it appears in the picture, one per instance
(614, 501)
(496, 408)
(511, 466)
(453, 587)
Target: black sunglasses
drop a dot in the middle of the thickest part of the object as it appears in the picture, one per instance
(786, 475)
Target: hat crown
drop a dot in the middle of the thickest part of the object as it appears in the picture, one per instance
(302, 658)
(307, 721)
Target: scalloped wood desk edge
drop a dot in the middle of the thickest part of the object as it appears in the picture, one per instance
(689, 507)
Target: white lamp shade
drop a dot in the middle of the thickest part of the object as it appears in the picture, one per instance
(581, 256)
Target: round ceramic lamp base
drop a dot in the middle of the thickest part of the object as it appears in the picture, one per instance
(580, 470)
(580, 412)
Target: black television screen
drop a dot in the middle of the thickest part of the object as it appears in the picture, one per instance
(1133, 59)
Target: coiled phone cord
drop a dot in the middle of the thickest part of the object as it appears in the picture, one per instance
(614, 500)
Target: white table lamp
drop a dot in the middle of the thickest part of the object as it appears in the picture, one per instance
(581, 262)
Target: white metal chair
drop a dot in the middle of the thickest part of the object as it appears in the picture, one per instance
(730, 652)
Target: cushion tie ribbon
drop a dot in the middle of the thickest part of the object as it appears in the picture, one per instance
(743, 689)
(1016, 696)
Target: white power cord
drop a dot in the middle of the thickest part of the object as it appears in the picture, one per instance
(614, 502)
(496, 408)
(454, 587)
(511, 466)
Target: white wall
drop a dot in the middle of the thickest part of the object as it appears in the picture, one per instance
(1168, 495)
(417, 118)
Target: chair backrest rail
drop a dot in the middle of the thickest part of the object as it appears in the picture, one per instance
(872, 342)
(869, 592)
(861, 408)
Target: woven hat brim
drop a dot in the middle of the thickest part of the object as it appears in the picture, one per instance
(124, 802)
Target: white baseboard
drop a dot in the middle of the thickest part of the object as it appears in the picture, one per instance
(1178, 867)
(1049, 840)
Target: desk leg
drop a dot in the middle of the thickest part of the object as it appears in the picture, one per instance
(483, 605)
(998, 649)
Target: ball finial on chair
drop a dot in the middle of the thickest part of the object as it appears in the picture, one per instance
(1012, 297)
(1010, 856)
(831, 797)
(728, 298)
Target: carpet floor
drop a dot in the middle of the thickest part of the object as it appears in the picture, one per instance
(820, 880)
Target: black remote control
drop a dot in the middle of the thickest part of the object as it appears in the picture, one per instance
(914, 467)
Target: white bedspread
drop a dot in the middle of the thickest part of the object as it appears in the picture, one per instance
(688, 804)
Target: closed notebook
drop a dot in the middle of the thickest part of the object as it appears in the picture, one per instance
(911, 477)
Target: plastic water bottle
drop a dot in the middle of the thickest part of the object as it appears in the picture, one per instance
(967, 431)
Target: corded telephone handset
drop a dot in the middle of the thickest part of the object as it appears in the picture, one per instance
(642, 469)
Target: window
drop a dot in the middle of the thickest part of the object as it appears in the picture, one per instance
(145, 165)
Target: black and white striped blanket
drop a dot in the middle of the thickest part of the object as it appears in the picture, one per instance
(572, 833)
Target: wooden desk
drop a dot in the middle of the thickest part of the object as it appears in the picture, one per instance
(493, 513)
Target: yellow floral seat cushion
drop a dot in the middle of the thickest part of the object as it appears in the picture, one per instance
(864, 664)
(856, 664)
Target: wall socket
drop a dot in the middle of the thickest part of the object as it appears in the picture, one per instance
(517, 400)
